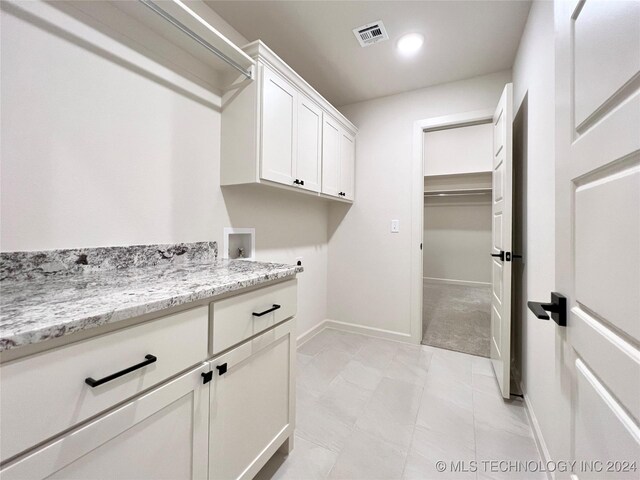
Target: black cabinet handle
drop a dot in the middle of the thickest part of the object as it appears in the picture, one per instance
(557, 308)
(206, 377)
(272, 309)
(296, 182)
(301, 182)
(499, 255)
(222, 369)
(94, 383)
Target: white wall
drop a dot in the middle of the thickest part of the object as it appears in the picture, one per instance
(102, 146)
(369, 267)
(459, 150)
(457, 239)
(533, 75)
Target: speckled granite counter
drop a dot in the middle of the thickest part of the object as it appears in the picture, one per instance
(45, 295)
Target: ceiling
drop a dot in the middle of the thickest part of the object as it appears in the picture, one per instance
(462, 39)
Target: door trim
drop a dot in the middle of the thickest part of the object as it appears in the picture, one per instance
(464, 119)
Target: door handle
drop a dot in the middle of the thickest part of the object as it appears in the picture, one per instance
(557, 308)
(499, 255)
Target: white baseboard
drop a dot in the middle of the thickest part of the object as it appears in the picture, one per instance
(309, 334)
(353, 328)
(449, 281)
(537, 433)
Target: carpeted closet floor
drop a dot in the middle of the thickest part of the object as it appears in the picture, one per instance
(457, 317)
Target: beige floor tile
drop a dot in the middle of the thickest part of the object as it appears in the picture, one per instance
(377, 353)
(345, 399)
(443, 417)
(430, 447)
(490, 409)
(368, 457)
(391, 411)
(319, 424)
(362, 374)
(307, 461)
(410, 364)
(316, 375)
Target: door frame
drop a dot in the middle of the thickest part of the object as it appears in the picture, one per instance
(456, 120)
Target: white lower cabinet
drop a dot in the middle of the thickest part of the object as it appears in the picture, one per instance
(252, 404)
(160, 435)
(221, 420)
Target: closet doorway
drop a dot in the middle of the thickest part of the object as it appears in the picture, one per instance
(457, 238)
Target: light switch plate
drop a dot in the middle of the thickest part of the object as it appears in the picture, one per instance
(395, 226)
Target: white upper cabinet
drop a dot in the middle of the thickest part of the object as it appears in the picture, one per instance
(347, 165)
(309, 153)
(279, 112)
(279, 131)
(330, 158)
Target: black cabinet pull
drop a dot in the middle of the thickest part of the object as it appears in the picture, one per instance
(298, 182)
(269, 310)
(222, 369)
(206, 377)
(499, 255)
(557, 308)
(301, 182)
(94, 383)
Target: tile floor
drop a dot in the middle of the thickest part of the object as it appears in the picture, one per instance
(375, 409)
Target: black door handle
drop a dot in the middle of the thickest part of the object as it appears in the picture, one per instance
(557, 308)
(269, 310)
(94, 383)
(499, 255)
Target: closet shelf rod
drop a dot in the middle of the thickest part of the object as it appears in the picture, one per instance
(430, 194)
(194, 36)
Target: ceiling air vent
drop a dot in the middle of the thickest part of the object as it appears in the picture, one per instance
(370, 33)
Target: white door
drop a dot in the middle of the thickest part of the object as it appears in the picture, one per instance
(598, 228)
(501, 240)
(309, 144)
(330, 157)
(251, 404)
(162, 434)
(347, 164)
(279, 125)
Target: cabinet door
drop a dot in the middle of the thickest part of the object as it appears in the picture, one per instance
(252, 398)
(279, 116)
(330, 157)
(347, 165)
(309, 140)
(162, 434)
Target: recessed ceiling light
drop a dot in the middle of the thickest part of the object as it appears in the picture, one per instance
(410, 43)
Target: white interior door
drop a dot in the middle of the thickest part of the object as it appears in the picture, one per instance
(501, 240)
(598, 227)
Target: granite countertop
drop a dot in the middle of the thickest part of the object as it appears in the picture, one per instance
(59, 294)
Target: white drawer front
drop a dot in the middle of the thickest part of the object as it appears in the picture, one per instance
(234, 319)
(44, 394)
